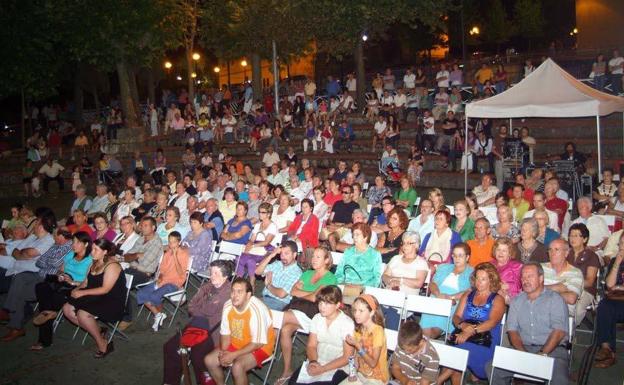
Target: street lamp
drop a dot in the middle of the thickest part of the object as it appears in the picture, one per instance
(364, 36)
(217, 69)
(196, 56)
(474, 30)
(179, 77)
(193, 75)
(168, 65)
(244, 65)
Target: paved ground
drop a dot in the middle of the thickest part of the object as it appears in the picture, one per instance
(140, 360)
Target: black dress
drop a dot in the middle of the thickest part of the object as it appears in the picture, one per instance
(107, 307)
(396, 244)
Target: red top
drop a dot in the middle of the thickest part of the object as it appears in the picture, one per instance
(309, 233)
(559, 206)
(331, 198)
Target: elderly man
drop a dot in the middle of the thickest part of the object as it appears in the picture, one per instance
(253, 204)
(280, 276)
(100, 202)
(21, 293)
(486, 192)
(247, 335)
(203, 194)
(179, 200)
(145, 254)
(297, 193)
(277, 178)
(213, 219)
(560, 276)
(52, 170)
(539, 201)
(270, 157)
(192, 205)
(82, 200)
(346, 240)
(598, 230)
(537, 323)
(23, 257)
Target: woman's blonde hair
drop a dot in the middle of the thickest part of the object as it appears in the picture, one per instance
(377, 316)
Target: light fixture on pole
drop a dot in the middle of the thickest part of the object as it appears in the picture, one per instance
(364, 36)
(217, 69)
(168, 65)
(474, 31)
(196, 56)
(193, 75)
(244, 65)
(179, 77)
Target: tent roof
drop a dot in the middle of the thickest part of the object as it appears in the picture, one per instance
(548, 92)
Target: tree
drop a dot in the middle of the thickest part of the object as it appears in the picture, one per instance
(339, 25)
(116, 36)
(498, 28)
(186, 14)
(529, 19)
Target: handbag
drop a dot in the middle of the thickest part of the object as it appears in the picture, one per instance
(483, 338)
(192, 336)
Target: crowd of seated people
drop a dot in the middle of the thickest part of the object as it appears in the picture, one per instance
(490, 251)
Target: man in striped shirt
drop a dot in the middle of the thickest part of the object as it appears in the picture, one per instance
(247, 335)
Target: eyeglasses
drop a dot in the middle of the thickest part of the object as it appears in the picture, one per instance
(263, 212)
(346, 192)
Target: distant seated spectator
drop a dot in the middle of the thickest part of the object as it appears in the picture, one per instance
(582, 257)
(485, 192)
(102, 229)
(423, 223)
(508, 267)
(539, 201)
(170, 225)
(599, 233)
(100, 201)
(280, 276)
(505, 226)
(546, 234)
(52, 171)
(305, 227)
(270, 157)
(145, 254)
(438, 244)
(406, 271)
(415, 361)
(80, 224)
(82, 201)
(213, 219)
(259, 244)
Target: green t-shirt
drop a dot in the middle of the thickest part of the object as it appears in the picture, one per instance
(467, 232)
(328, 279)
(410, 195)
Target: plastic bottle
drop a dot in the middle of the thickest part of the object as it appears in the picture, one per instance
(352, 369)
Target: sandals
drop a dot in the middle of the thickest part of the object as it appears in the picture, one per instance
(44, 317)
(109, 349)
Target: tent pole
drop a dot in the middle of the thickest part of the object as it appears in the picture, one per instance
(599, 151)
(465, 152)
(510, 127)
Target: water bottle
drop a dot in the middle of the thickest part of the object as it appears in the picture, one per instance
(481, 170)
(352, 369)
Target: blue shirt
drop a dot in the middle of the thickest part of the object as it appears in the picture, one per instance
(76, 269)
(284, 277)
(235, 228)
(243, 196)
(345, 132)
(333, 88)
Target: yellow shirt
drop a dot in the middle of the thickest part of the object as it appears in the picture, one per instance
(374, 338)
(484, 74)
(253, 325)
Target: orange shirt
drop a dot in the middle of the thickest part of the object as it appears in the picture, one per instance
(173, 270)
(375, 338)
(480, 253)
(253, 325)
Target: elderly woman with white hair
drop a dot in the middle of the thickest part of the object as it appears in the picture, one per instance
(407, 271)
(529, 248)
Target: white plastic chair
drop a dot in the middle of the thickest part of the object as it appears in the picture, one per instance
(178, 297)
(230, 250)
(528, 365)
(387, 297)
(429, 305)
(452, 357)
(336, 257)
(490, 213)
(392, 339)
(609, 220)
(277, 318)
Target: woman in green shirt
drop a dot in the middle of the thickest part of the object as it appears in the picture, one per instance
(299, 313)
(462, 223)
(406, 196)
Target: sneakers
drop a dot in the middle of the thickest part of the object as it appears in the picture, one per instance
(159, 318)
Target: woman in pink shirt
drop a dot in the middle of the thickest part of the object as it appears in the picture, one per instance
(509, 269)
(171, 277)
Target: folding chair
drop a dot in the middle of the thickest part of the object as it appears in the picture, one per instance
(429, 305)
(277, 317)
(424, 289)
(452, 357)
(203, 276)
(115, 325)
(490, 213)
(389, 299)
(392, 339)
(525, 365)
(230, 251)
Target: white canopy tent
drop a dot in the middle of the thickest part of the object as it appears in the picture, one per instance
(548, 92)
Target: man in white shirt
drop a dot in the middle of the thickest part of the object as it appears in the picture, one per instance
(482, 148)
(192, 205)
(616, 67)
(440, 104)
(538, 202)
(485, 192)
(351, 84)
(270, 157)
(380, 131)
(203, 194)
(400, 100)
(598, 229)
(180, 197)
(429, 135)
(346, 106)
(228, 122)
(442, 77)
(51, 170)
(276, 178)
(409, 80)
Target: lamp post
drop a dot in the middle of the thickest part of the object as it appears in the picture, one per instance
(216, 70)
(244, 65)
